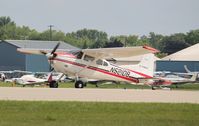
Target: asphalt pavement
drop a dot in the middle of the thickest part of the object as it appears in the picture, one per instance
(98, 95)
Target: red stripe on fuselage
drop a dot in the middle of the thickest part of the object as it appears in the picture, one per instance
(116, 75)
(99, 70)
(144, 75)
(65, 54)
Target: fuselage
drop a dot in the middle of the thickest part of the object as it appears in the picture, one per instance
(88, 67)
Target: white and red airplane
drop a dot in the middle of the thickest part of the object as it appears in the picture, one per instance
(31, 80)
(171, 79)
(88, 64)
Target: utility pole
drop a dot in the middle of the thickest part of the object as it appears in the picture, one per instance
(125, 42)
(51, 31)
(50, 39)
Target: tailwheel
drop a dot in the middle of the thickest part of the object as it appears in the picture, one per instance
(79, 84)
(53, 84)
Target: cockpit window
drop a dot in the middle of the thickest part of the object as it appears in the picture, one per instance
(88, 58)
(79, 55)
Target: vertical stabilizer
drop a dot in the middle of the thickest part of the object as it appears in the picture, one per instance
(145, 68)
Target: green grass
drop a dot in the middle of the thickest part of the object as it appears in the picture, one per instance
(193, 86)
(26, 113)
(188, 86)
(71, 85)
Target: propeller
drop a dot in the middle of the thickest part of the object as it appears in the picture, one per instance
(51, 55)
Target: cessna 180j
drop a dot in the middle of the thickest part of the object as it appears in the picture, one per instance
(88, 64)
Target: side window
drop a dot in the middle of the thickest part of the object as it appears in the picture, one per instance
(99, 62)
(88, 58)
(105, 63)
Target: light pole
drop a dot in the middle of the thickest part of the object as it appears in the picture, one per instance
(50, 26)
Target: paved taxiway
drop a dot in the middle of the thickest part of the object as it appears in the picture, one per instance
(105, 95)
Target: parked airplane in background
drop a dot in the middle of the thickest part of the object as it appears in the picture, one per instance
(171, 79)
(31, 80)
(92, 64)
(2, 77)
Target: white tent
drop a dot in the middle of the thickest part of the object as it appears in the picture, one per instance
(188, 54)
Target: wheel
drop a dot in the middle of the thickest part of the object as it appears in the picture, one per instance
(79, 84)
(53, 84)
(152, 88)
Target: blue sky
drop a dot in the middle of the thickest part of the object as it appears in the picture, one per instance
(116, 17)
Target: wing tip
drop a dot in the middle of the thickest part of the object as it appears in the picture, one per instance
(151, 49)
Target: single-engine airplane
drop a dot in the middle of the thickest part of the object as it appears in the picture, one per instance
(31, 80)
(88, 64)
(171, 79)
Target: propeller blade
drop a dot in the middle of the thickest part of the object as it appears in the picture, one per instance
(55, 48)
(51, 56)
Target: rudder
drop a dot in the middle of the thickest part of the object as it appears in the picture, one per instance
(145, 68)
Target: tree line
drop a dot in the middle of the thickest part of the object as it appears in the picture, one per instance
(91, 38)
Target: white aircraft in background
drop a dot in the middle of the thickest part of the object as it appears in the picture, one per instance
(172, 79)
(88, 64)
(2, 77)
(31, 80)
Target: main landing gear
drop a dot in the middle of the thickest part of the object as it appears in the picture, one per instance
(53, 84)
(80, 84)
(153, 88)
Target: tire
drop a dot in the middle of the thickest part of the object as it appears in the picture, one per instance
(79, 84)
(53, 84)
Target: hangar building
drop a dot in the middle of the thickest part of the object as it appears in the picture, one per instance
(176, 61)
(13, 60)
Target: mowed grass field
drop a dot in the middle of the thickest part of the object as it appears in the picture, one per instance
(45, 113)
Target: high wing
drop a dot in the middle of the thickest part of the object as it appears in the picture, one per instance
(119, 51)
(100, 52)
